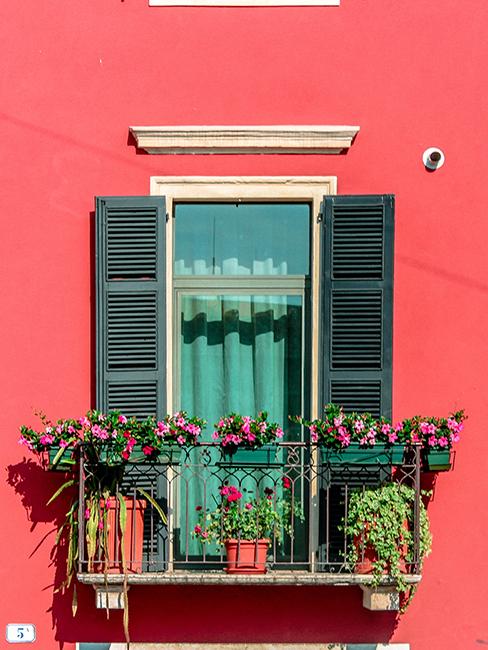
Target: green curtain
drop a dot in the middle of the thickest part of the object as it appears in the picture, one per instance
(237, 353)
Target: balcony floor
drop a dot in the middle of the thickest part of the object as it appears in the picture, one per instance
(221, 578)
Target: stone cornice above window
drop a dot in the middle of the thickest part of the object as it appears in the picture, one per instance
(243, 3)
(319, 139)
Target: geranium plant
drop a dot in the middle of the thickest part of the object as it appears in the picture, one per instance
(243, 431)
(240, 514)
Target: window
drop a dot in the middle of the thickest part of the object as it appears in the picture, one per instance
(338, 297)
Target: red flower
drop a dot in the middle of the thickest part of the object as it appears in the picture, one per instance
(286, 483)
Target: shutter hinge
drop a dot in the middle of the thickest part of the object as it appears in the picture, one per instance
(167, 217)
(320, 217)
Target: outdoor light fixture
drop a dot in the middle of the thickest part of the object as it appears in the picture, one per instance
(433, 158)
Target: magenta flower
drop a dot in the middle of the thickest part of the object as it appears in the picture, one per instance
(248, 506)
(122, 419)
(358, 426)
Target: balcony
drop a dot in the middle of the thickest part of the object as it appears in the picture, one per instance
(318, 490)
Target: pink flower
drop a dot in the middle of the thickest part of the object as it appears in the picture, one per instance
(338, 421)
(85, 422)
(24, 441)
(71, 429)
(279, 433)
(224, 490)
(251, 437)
(248, 506)
(432, 441)
(63, 443)
(392, 437)
(46, 439)
(358, 426)
(427, 428)
(87, 513)
(197, 530)
(215, 435)
(181, 440)
(147, 450)
(455, 437)
(162, 428)
(443, 441)
(234, 494)
(454, 426)
(286, 483)
(59, 429)
(125, 454)
(385, 429)
(122, 419)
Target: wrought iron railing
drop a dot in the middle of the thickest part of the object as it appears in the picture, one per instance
(173, 493)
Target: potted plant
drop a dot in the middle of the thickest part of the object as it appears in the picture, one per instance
(247, 440)
(245, 524)
(380, 531)
(355, 438)
(107, 442)
(437, 435)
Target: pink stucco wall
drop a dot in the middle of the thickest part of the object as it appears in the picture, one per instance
(73, 77)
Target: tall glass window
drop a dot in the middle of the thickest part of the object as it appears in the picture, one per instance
(241, 278)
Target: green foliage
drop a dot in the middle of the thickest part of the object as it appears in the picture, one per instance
(382, 519)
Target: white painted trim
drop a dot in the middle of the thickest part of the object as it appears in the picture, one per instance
(318, 139)
(244, 3)
(267, 188)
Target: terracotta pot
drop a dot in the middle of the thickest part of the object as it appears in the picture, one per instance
(133, 537)
(246, 556)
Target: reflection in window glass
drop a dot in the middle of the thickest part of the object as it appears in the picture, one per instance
(242, 239)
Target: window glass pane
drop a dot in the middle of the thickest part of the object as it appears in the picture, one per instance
(242, 239)
(241, 353)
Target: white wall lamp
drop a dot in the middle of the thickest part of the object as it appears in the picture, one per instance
(433, 158)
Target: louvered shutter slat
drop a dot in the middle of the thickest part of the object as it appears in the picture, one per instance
(357, 302)
(131, 305)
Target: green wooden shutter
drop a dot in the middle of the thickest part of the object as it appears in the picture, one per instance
(357, 302)
(131, 305)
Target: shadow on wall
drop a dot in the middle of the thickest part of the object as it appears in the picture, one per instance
(36, 486)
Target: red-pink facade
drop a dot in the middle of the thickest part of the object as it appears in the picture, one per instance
(74, 77)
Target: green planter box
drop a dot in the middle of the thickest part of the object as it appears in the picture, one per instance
(269, 455)
(170, 455)
(62, 463)
(357, 454)
(436, 460)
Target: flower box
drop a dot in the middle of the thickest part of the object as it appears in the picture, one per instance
(60, 459)
(268, 455)
(169, 455)
(356, 454)
(436, 460)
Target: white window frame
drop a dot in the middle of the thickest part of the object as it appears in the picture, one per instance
(310, 189)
